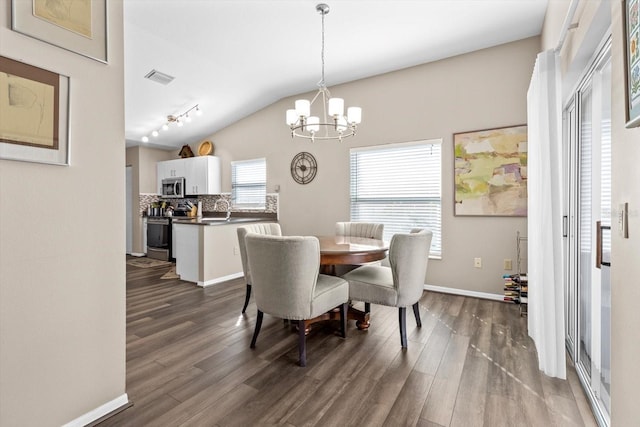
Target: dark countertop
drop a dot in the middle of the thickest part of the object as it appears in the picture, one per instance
(220, 220)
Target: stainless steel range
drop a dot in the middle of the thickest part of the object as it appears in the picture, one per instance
(159, 238)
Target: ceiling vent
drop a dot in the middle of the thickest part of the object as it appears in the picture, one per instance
(158, 77)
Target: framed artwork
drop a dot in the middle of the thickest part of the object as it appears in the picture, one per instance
(34, 114)
(79, 26)
(632, 62)
(491, 172)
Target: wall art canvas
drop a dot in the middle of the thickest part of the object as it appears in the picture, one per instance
(79, 26)
(491, 172)
(632, 61)
(33, 113)
(73, 15)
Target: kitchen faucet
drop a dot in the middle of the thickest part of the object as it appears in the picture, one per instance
(215, 207)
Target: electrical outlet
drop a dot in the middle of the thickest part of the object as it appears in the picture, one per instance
(235, 250)
(477, 262)
(508, 264)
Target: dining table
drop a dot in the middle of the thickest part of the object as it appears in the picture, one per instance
(348, 250)
(352, 251)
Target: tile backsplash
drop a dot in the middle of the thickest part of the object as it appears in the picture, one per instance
(208, 203)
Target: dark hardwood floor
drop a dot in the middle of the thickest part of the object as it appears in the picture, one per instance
(471, 364)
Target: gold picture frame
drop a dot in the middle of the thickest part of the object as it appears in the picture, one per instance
(491, 172)
(79, 26)
(34, 114)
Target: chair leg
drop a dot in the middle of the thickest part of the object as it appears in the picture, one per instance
(302, 347)
(367, 307)
(257, 329)
(246, 298)
(402, 317)
(416, 312)
(343, 319)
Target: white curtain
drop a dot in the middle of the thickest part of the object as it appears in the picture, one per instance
(546, 296)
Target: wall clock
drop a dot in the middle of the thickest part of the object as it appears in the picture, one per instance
(303, 168)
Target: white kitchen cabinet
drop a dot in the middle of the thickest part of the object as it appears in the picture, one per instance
(170, 169)
(174, 239)
(202, 175)
(208, 254)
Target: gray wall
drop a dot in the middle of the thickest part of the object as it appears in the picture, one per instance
(625, 269)
(479, 90)
(625, 292)
(62, 273)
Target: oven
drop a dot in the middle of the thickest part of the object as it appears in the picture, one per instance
(159, 238)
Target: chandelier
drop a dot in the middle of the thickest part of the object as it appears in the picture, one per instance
(334, 124)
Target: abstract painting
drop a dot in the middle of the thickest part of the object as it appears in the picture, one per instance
(34, 113)
(491, 172)
(74, 15)
(79, 26)
(28, 101)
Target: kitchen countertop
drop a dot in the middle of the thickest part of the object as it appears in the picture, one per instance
(219, 220)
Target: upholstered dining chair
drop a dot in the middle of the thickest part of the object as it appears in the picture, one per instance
(399, 285)
(269, 229)
(369, 230)
(286, 283)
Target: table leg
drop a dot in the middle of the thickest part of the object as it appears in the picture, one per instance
(361, 317)
(328, 269)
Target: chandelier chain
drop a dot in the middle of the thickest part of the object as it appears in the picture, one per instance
(322, 83)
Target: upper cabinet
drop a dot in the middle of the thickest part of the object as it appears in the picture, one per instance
(171, 169)
(202, 175)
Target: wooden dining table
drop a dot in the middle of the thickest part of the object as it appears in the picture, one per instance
(348, 250)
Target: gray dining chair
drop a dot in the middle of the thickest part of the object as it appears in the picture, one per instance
(369, 230)
(286, 283)
(269, 229)
(400, 285)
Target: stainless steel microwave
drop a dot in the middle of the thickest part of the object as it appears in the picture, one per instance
(173, 188)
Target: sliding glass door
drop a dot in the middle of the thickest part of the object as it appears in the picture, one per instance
(588, 148)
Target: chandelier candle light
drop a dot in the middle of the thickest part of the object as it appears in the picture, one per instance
(178, 120)
(335, 124)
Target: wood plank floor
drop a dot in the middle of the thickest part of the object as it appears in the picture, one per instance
(471, 364)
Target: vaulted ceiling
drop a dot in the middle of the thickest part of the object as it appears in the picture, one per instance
(234, 57)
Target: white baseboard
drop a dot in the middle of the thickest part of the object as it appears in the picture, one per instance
(219, 279)
(138, 254)
(100, 411)
(463, 292)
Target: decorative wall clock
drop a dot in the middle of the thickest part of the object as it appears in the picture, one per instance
(303, 167)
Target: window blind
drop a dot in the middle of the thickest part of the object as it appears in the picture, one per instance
(249, 183)
(399, 185)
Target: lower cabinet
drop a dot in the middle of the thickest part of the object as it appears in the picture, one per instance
(207, 254)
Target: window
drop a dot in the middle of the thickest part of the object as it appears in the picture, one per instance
(249, 183)
(399, 185)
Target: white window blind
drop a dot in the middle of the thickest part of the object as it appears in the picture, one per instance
(399, 185)
(249, 183)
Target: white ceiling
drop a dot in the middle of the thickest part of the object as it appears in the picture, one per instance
(234, 57)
